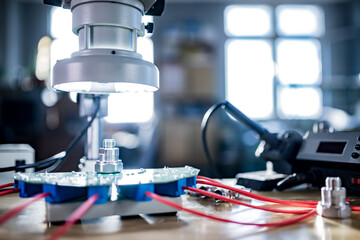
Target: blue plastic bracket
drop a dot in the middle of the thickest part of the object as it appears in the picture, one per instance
(63, 193)
(136, 192)
(103, 192)
(29, 189)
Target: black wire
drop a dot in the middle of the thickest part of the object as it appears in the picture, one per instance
(81, 134)
(204, 125)
(61, 157)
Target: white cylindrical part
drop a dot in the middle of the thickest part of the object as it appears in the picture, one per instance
(108, 24)
(116, 13)
(107, 61)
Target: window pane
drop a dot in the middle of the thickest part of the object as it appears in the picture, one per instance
(248, 20)
(250, 72)
(300, 20)
(299, 102)
(299, 61)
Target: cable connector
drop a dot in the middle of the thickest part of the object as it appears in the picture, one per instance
(333, 200)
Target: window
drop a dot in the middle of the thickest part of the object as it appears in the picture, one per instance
(250, 71)
(273, 68)
(300, 20)
(122, 107)
(237, 21)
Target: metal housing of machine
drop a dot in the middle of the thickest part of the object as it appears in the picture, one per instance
(107, 60)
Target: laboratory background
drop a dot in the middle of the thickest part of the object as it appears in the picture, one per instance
(289, 65)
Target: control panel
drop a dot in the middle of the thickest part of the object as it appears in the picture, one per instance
(336, 147)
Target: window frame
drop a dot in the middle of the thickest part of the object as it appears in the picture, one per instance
(273, 39)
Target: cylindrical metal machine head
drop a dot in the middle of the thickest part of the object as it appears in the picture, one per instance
(107, 61)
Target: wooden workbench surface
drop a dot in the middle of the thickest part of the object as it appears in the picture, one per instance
(30, 224)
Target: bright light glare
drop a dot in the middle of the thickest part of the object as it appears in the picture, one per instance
(49, 97)
(126, 140)
(300, 20)
(303, 103)
(146, 49)
(250, 72)
(62, 48)
(42, 70)
(61, 23)
(337, 118)
(65, 42)
(248, 20)
(73, 96)
(299, 61)
(130, 107)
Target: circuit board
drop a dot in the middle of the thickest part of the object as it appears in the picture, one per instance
(130, 184)
(127, 177)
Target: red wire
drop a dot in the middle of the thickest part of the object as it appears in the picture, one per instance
(6, 185)
(256, 196)
(5, 192)
(273, 224)
(74, 217)
(206, 178)
(306, 204)
(301, 202)
(18, 209)
(217, 196)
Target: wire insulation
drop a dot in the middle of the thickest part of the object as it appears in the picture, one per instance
(6, 185)
(272, 224)
(204, 125)
(6, 192)
(256, 196)
(217, 196)
(48, 162)
(74, 217)
(293, 201)
(18, 209)
(305, 204)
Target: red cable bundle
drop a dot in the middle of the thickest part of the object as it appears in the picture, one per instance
(305, 204)
(6, 185)
(217, 196)
(273, 224)
(5, 192)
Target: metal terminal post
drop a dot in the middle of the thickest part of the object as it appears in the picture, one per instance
(333, 200)
(109, 161)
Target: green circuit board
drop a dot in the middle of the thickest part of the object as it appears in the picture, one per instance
(126, 177)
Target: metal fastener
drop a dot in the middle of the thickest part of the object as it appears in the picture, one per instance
(333, 200)
(109, 161)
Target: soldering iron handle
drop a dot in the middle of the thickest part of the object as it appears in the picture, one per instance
(263, 133)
